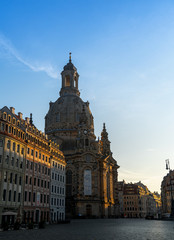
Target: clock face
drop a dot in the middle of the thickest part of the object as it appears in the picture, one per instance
(85, 131)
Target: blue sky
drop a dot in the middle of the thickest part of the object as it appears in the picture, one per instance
(124, 53)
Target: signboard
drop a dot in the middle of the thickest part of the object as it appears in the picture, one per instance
(87, 182)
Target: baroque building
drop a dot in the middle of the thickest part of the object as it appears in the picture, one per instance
(27, 161)
(91, 171)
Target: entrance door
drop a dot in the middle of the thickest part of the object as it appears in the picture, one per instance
(88, 210)
(37, 216)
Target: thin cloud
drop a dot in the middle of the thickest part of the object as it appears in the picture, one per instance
(6, 45)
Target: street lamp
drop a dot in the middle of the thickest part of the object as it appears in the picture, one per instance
(172, 201)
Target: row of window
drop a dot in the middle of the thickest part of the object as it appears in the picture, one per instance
(7, 196)
(133, 209)
(57, 165)
(58, 177)
(57, 189)
(12, 130)
(38, 155)
(14, 162)
(37, 182)
(43, 198)
(57, 202)
(16, 147)
(12, 178)
(38, 167)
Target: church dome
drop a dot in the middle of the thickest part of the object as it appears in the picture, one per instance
(69, 111)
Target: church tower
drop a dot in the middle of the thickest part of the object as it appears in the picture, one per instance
(91, 172)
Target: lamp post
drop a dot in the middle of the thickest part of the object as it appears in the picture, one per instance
(172, 201)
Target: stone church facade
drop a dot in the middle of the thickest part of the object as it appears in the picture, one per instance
(91, 171)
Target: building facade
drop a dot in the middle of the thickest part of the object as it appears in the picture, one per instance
(136, 201)
(58, 180)
(91, 172)
(167, 194)
(12, 165)
(26, 160)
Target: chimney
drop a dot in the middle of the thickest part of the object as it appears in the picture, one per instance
(12, 109)
(27, 120)
(31, 119)
(20, 115)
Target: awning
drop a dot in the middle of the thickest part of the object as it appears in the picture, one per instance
(9, 214)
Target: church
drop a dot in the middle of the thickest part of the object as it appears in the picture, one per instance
(91, 170)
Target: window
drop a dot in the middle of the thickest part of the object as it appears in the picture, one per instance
(35, 166)
(46, 159)
(29, 197)
(22, 151)
(14, 146)
(28, 151)
(8, 144)
(52, 188)
(5, 176)
(12, 161)
(16, 178)
(7, 159)
(21, 164)
(18, 148)
(32, 152)
(25, 198)
(30, 180)
(34, 196)
(27, 164)
(26, 179)
(19, 197)
(34, 181)
(52, 175)
(38, 182)
(14, 196)
(67, 81)
(11, 177)
(17, 162)
(36, 154)
(43, 157)
(9, 195)
(2, 126)
(20, 180)
(39, 155)
(4, 195)
(45, 170)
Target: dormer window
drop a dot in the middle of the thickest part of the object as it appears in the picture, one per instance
(5, 116)
(67, 81)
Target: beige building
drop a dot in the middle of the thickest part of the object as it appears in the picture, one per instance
(91, 172)
(167, 194)
(136, 201)
(12, 165)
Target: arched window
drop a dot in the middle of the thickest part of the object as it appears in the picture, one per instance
(87, 182)
(67, 81)
(108, 185)
(75, 82)
(69, 183)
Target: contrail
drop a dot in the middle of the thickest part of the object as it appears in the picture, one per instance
(6, 45)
